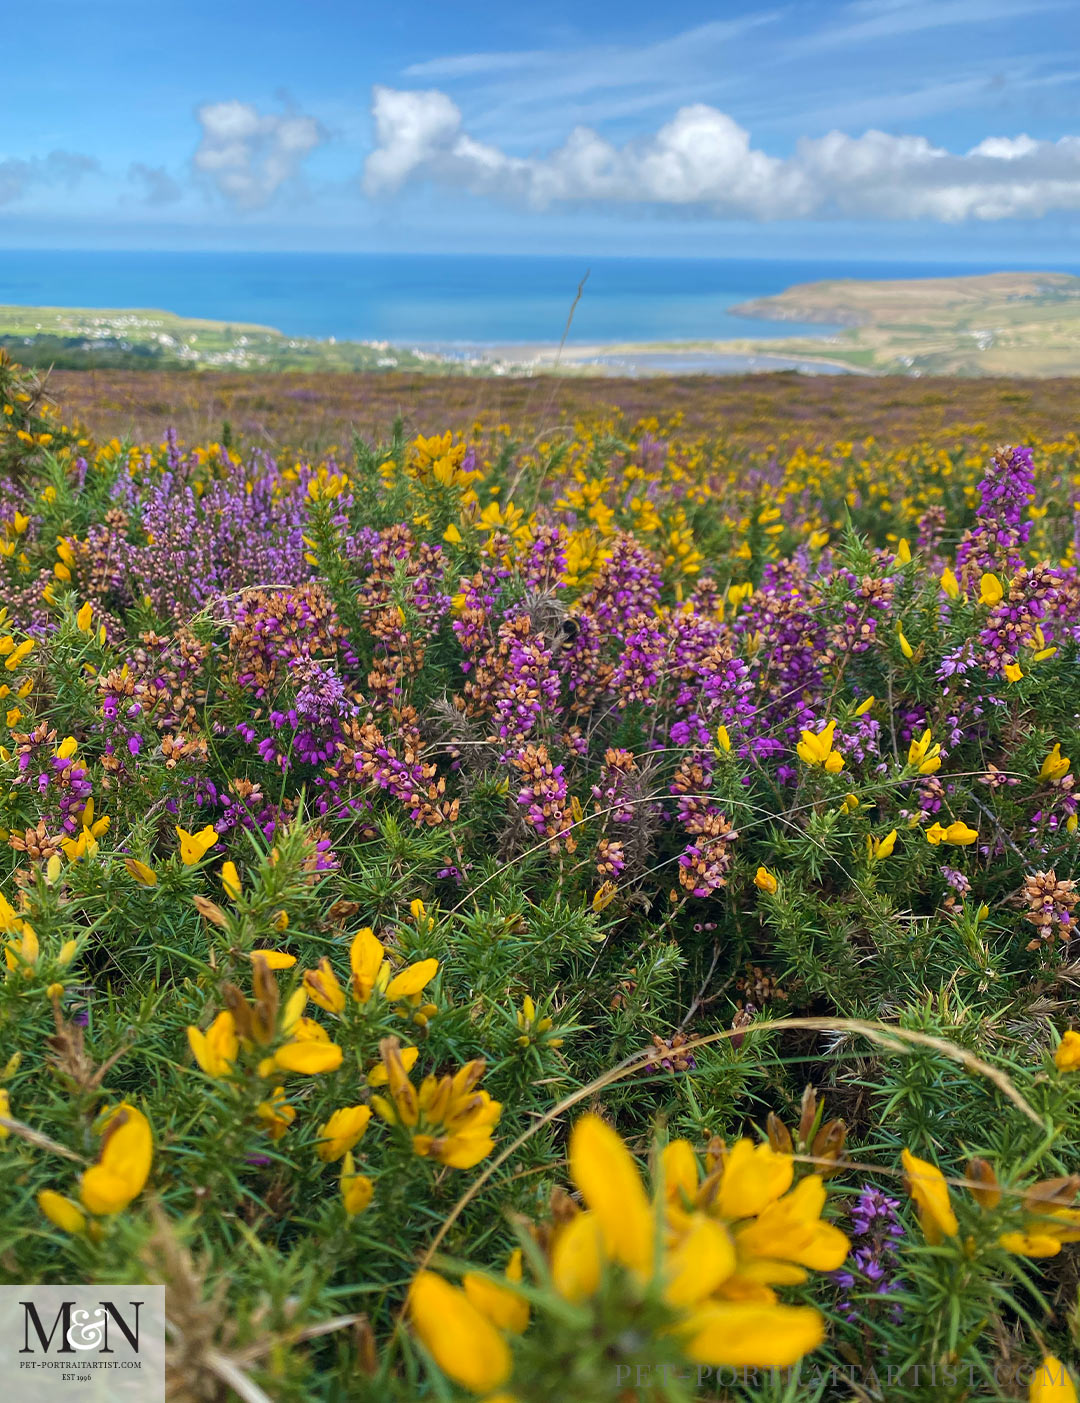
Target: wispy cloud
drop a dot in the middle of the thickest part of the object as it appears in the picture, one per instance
(866, 21)
(476, 65)
(158, 186)
(524, 92)
(969, 90)
(702, 160)
(788, 68)
(65, 168)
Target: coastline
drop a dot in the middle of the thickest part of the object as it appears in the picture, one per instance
(642, 358)
(970, 325)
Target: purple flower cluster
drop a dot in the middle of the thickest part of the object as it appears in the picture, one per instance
(1000, 531)
(875, 1231)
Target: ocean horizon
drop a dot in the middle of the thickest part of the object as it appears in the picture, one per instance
(446, 301)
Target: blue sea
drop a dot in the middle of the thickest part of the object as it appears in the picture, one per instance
(439, 301)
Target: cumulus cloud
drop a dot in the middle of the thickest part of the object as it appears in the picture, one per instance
(18, 177)
(249, 155)
(705, 161)
(158, 186)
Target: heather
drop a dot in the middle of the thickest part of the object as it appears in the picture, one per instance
(579, 914)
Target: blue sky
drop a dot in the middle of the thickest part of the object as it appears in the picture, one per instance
(897, 128)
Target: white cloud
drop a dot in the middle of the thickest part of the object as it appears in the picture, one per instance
(703, 160)
(248, 155)
(67, 168)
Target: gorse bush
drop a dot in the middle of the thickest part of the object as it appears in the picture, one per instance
(565, 923)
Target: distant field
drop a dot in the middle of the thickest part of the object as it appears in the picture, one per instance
(996, 324)
(319, 410)
(77, 337)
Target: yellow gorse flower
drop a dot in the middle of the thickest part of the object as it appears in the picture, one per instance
(230, 881)
(958, 834)
(371, 973)
(878, 848)
(20, 953)
(342, 1131)
(927, 1187)
(215, 1050)
(378, 1075)
(816, 749)
(712, 1245)
(1050, 1219)
(449, 1119)
(502, 1305)
(950, 584)
(195, 846)
(1067, 1052)
(463, 1341)
(1055, 766)
(604, 895)
(140, 872)
(534, 1027)
(292, 1043)
(923, 755)
(275, 959)
(276, 1113)
(357, 1190)
(123, 1165)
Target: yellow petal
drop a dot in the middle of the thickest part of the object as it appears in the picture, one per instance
(308, 1058)
(748, 1334)
(357, 1190)
(412, 979)
(679, 1167)
(506, 1309)
(230, 881)
(577, 1259)
(365, 957)
(342, 1131)
(464, 1344)
(1030, 1244)
(275, 959)
(604, 1170)
(754, 1175)
(704, 1258)
(1051, 1383)
(1067, 1055)
(61, 1211)
(926, 1185)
